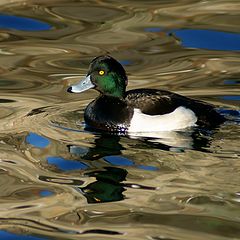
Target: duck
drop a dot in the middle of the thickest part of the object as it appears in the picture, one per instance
(138, 110)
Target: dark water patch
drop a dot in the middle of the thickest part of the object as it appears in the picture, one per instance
(66, 181)
(232, 81)
(101, 231)
(230, 112)
(37, 111)
(24, 207)
(7, 101)
(22, 23)
(208, 39)
(9, 161)
(7, 83)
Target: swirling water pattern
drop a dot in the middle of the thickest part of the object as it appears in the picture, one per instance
(59, 181)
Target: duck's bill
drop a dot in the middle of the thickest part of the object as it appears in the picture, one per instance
(82, 86)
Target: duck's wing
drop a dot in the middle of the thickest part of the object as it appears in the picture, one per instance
(152, 101)
(158, 102)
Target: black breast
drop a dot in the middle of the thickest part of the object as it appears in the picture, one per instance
(109, 114)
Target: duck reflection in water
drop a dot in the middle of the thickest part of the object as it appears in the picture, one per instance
(107, 187)
(106, 156)
(109, 184)
(104, 145)
(110, 145)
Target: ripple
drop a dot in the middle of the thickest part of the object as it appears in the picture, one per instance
(5, 112)
(201, 200)
(88, 13)
(66, 181)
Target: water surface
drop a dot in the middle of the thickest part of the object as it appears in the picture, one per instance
(60, 181)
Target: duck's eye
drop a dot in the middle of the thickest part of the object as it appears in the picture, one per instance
(101, 72)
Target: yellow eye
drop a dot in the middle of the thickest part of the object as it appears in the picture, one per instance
(101, 72)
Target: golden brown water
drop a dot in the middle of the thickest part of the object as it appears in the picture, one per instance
(59, 181)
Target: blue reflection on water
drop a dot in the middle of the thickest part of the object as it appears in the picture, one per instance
(37, 140)
(208, 39)
(119, 161)
(153, 29)
(22, 23)
(230, 112)
(46, 193)
(12, 236)
(126, 62)
(231, 81)
(149, 168)
(231, 98)
(122, 161)
(66, 165)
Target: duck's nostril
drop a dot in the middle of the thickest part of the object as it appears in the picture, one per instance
(69, 90)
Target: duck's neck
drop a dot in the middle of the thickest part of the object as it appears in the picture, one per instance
(118, 94)
(114, 95)
(114, 92)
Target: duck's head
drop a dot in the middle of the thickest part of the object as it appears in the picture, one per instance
(106, 75)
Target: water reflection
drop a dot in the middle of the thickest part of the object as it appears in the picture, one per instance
(208, 39)
(37, 140)
(66, 164)
(107, 187)
(12, 236)
(106, 155)
(104, 145)
(22, 23)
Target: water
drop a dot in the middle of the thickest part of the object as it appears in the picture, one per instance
(59, 181)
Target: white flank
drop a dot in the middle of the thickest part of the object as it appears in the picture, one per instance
(180, 118)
